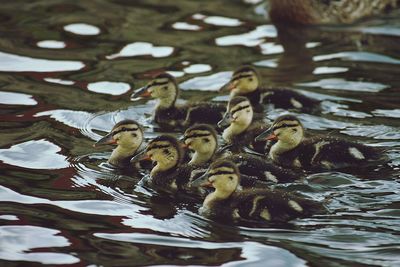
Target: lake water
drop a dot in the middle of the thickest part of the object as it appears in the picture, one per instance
(67, 69)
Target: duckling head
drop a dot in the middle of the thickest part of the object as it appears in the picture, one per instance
(287, 130)
(239, 116)
(244, 80)
(166, 151)
(127, 135)
(223, 175)
(163, 87)
(202, 139)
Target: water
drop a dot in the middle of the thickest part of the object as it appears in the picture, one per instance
(66, 72)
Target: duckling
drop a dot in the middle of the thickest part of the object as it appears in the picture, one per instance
(168, 173)
(128, 136)
(292, 149)
(202, 139)
(227, 202)
(242, 129)
(246, 82)
(169, 115)
(323, 12)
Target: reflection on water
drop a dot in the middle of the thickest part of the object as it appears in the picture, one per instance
(15, 63)
(82, 29)
(66, 72)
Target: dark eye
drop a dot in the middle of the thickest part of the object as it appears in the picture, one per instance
(166, 151)
(230, 178)
(250, 79)
(206, 140)
(134, 135)
(165, 87)
(294, 130)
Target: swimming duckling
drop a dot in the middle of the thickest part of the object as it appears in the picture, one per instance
(202, 139)
(168, 173)
(128, 136)
(246, 82)
(169, 115)
(242, 129)
(226, 202)
(293, 150)
(322, 12)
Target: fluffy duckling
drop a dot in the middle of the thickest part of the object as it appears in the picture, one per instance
(246, 82)
(169, 115)
(168, 172)
(322, 12)
(242, 129)
(202, 140)
(292, 149)
(226, 202)
(128, 136)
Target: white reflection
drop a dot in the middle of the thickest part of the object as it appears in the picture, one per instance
(82, 29)
(15, 63)
(17, 241)
(271, 48)
(51, 44)
(8, 98)
(185, 26)
(250, 39)
(9, 217)
(222, 21)
(328, 70)
(341, 84)
(212, 82)
(197, 68)
(358, 56)
(142, 49)
(111, 88)
(388, 113)
(34, 154)
(269, 63)
(59, 81)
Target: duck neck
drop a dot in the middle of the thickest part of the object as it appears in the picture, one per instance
(166, 102)
(163, 166)
(281, 147)
(200, 158)
(121, 153)
(234, 129)
(217, 195)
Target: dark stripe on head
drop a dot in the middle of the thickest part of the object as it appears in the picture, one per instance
(246, 68)
(285, 125)
(236, 100)
(241, 76)
(125, 129)
(239, 109)
(221, 172)
(168, 139)
(200, 127)
(287, 120)
(224, 163)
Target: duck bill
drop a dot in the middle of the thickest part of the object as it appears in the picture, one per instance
(106, 140)
(140, 156)
(202, 181)
(266, 135)
(229, 86)
(142, 92)
(226, 120)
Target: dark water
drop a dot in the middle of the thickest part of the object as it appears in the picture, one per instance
(67, 69)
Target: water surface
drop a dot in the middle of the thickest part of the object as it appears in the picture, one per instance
(67, 70)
